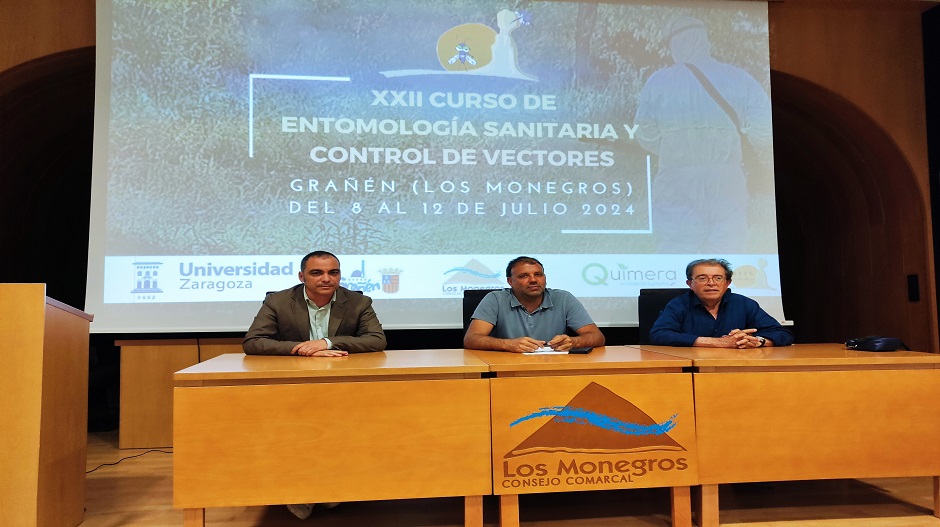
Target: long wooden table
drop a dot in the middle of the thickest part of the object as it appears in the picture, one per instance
(616, 418)
(255, 430)
(812, 411)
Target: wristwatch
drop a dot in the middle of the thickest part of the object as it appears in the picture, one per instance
(762, 341)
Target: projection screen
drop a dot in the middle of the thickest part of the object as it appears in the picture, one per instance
(426, 143)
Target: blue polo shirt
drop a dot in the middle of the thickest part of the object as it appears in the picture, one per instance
(684, 319)
(559, 311)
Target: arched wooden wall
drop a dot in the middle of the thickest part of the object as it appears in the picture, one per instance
(850, 218)
(46, 132)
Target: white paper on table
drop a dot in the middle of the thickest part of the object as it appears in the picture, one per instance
(545, 350)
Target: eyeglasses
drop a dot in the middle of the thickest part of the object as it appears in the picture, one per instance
(702, 279)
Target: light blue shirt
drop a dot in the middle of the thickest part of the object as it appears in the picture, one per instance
(319, 319)
(559, 311)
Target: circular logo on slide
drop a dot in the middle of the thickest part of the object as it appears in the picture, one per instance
(466, 47)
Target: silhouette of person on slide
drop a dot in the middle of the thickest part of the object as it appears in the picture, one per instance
(504, 62)
(700, 195)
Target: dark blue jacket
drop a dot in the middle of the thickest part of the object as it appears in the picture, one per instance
(684, 319)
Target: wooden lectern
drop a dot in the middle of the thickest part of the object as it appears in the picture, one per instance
(43, 409)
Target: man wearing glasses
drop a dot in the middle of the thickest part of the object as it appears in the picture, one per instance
(711, 316)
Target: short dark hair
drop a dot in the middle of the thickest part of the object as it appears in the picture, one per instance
(709, 261)
(519, 260)
(315, 254)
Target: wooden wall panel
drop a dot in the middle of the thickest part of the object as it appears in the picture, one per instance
(869, 52)
(147, 369)
(35, 28)
(210, 348)
(863, 223)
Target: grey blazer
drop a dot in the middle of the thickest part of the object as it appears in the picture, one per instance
(283, 322)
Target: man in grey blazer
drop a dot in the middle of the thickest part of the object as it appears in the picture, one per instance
(315, 318)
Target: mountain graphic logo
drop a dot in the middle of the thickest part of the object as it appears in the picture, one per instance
(596, 421)
(472, 272)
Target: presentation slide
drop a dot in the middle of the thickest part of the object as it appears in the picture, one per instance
(426, 143)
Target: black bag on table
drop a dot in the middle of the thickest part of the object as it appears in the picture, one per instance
(874, 343)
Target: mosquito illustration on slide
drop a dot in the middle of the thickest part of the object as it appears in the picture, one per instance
(463, 55)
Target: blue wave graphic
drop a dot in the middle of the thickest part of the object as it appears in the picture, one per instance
(471, 271)
(581, 416)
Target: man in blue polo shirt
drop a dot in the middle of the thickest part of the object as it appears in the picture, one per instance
(711, 316)
(528, 316)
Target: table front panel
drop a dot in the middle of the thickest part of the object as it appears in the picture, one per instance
(593, 432)
(776, 426)
(298, 443)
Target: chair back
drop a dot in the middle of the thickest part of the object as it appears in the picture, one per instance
(650, 304)
(471, 299)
